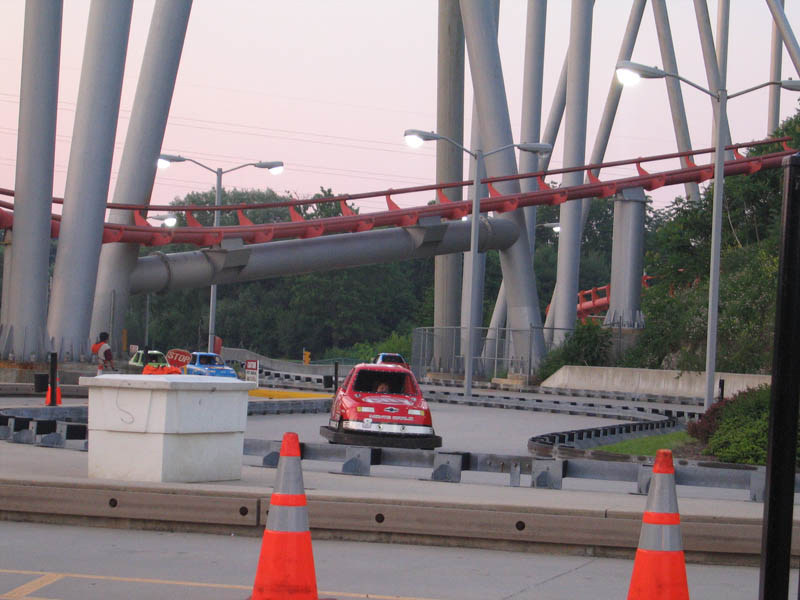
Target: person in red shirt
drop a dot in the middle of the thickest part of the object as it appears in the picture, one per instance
(105, 358)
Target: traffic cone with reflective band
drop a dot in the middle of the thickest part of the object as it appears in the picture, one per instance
(286, 564)
(48, 400)
(659, 570)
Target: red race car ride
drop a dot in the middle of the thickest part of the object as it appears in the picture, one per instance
(381, 405)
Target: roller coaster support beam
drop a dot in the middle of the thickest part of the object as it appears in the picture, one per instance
(606, 123)
(674, 93)
(200, 268)
(570, 216)
(775, 60)
(449, 167)
(789, 39)
(627, 257)
(138, 166)
(474, 275)
(24, 314)
(520, 287)
(88, 175)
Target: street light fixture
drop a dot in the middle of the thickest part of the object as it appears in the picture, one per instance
(556, 227)
(414, 138)
(628, 73)
(168, 220)
(274, 167)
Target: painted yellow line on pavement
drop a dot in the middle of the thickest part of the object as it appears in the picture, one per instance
(32, 586)
(278, 394)
(223, 586)
(53, 577)
(375, 596)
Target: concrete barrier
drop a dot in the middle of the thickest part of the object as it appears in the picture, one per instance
(166, 427)
(649, 381)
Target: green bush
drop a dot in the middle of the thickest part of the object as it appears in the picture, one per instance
(366, 351)
(588, 345)
(742, 428)
(707, 424)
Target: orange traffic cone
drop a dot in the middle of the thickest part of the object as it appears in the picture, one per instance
(48, 401)
(659, 570)
(286, 564)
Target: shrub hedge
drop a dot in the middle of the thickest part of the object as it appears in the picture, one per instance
(736, 429)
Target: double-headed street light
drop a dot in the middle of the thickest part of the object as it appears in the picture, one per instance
(415, 138)
(274, 167)
(629, 73)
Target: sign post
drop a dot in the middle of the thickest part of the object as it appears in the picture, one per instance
(251, 370)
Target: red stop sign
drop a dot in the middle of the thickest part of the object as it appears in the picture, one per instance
(178, 358)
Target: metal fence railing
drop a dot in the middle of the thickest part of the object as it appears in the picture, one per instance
(500, 353)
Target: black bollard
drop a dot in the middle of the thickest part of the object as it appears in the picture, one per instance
(776, 537)
(335, 377)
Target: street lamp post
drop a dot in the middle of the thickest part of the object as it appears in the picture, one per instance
(629, 73)
(415, 138)
(274, 167)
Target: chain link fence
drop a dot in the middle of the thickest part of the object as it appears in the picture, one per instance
(438, 352)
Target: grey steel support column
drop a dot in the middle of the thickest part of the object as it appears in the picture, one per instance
(775, 60)
(550, 134)
(197, 269)
(25, 282)
(487, 78)
(627, 259)
(497, 322)
(530, 131)
(723, 21)
(449, 167)
(604, 129)
(549, 137)
(789, 39)
(88, 174)
(712, 65)
(5, 300)
(615, 89)
(474, 276)
(532, 83)
(138, 165)
(674, 88)
(569, 238)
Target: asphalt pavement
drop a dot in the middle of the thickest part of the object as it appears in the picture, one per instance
(60, 562)
(89, 559)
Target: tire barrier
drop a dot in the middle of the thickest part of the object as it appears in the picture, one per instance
(67, 426)
(549, 462)
(545, 445)
(448, 466)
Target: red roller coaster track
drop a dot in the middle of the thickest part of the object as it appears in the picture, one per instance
(144, 233)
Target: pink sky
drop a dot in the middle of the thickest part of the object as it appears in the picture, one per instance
(329, 87)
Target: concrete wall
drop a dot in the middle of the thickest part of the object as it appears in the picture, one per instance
(649, 381)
